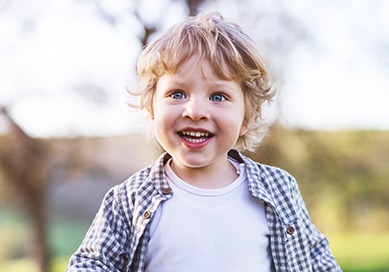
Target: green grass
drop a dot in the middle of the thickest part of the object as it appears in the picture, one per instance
(361, 252)
(27, 265)
(355, 252)
(66, 235)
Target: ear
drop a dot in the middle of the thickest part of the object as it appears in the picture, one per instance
(243, 129)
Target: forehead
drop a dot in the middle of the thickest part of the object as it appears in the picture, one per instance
(196, 65)
(198, 71)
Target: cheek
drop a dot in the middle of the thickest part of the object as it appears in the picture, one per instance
(243, 122)
(162, 116)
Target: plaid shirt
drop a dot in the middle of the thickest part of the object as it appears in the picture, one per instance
(118, 237)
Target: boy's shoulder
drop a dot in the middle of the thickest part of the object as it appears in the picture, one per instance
(148, 178)
(271, 172)
(273, 185)
(261, 171)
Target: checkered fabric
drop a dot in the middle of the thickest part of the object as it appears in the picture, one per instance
(118, 237)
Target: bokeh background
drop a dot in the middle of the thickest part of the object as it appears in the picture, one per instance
(67, 136)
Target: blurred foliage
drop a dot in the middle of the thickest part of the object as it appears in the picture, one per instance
(27, 265)
(343, 175)
(358, 251)
(13, 236)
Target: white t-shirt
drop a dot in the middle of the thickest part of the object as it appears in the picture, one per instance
(209, 230)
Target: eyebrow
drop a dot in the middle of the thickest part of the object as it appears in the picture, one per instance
(224, 85)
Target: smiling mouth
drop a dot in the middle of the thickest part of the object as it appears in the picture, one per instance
(195, 136)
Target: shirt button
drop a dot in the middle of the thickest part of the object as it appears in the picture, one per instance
(166, 191)
(290, 230)
(147, 215)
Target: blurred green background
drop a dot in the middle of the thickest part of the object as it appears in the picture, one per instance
(343, 177)
(67, 136)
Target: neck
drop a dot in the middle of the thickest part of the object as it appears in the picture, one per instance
(209, 177)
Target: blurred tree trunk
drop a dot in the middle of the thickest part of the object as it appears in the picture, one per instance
(193, 7)
(24, 164)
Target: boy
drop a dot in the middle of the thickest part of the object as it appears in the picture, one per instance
(203, 206)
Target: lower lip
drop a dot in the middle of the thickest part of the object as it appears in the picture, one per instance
(195, 143)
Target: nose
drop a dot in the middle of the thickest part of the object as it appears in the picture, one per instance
(196, 109)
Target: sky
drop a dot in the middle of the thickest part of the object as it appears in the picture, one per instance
(343, 82)
(50, 51)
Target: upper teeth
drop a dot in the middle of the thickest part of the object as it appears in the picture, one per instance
(195, 133)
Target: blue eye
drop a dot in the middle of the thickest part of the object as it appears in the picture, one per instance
(177, 95)
(217, 97)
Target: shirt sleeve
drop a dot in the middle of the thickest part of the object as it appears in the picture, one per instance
(103, 248)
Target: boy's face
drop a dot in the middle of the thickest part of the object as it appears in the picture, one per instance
(197, 117)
